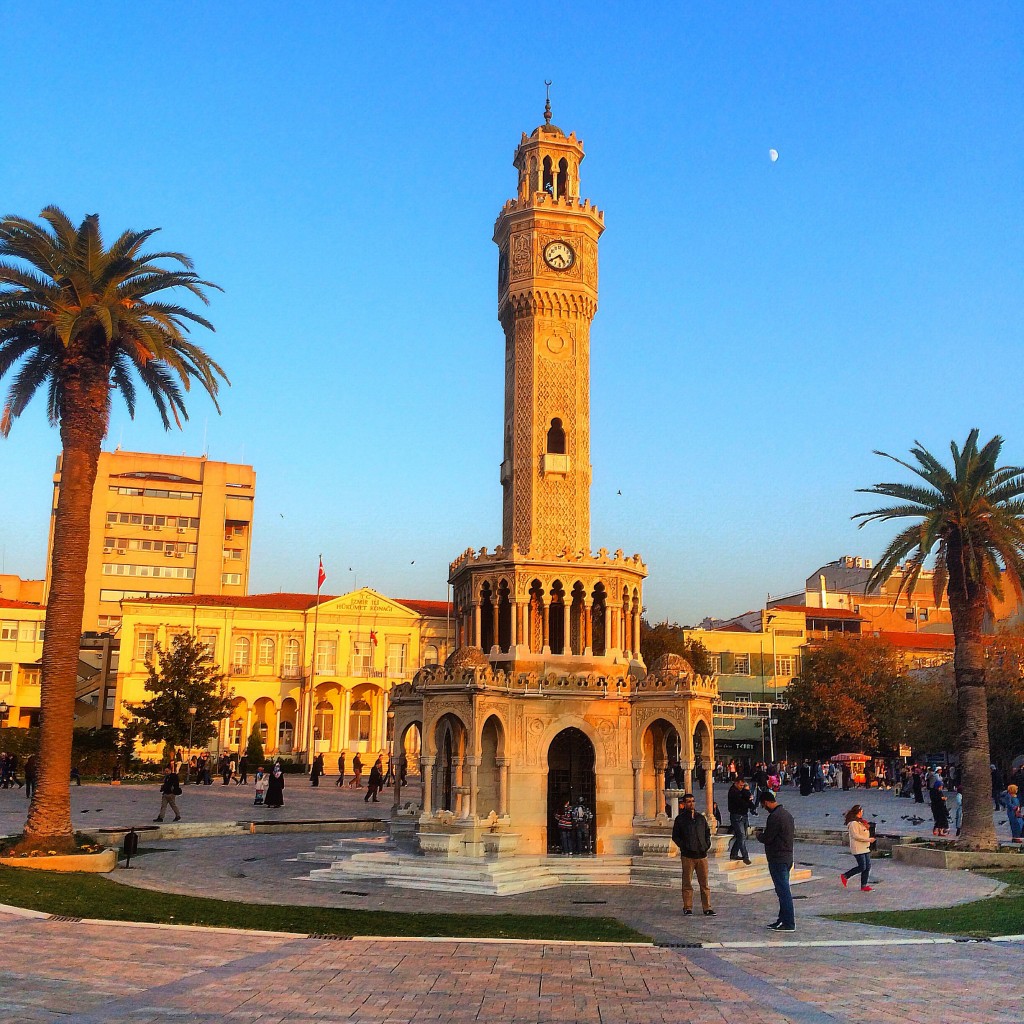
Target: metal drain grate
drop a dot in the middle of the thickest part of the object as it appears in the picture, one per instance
(334, 938)
(351, 892)
(679, 945)
(65, 918)
(589, 903)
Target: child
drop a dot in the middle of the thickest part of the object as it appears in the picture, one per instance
(260, 785)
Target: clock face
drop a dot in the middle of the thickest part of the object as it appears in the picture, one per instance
(559, 255)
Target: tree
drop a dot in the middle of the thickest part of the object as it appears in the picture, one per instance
(665, 638)
(972, 519)
(78, 319)
(254, 748)
(183, 677)
(852, 696)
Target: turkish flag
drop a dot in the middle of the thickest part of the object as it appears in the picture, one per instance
(321, 575)
(373, 637)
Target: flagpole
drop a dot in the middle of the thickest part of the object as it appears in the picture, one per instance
(312, 665)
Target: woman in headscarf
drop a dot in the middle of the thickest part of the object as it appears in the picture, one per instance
(940, 812)
(275, 787)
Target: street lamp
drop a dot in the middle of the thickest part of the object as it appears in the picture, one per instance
(191, 725)
(4, 708)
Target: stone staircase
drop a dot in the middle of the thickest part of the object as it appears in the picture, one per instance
(375, 858)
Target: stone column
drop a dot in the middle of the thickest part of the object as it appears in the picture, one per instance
(426, 780)
(566, 625)
(609, 639)
(513, 625)
(544, 612)
(709, 790)
(457, 785)
(587, 631)
(502, 763)
(687, 767)
(474, 768)
(495, 646)
(477, 635)
(638, 789)
(659, 787)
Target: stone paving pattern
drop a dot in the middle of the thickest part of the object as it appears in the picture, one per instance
(87, 974)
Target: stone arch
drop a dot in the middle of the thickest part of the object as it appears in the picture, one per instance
(571, 759)
(286, 736)
(577, 640)
(557, 638)
(237, 721)
(598, 603)
(410, 746)
(491, 744)
(504, 599)
(265, 716)
(451, 741)
(661, 744)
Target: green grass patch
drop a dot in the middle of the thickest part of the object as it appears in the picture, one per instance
(1002, 914)
(86, 895)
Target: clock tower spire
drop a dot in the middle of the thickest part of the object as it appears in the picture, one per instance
(547, 296)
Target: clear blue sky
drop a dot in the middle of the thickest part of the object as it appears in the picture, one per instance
(337, 168)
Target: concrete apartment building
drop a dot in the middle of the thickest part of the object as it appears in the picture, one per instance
(163, 525)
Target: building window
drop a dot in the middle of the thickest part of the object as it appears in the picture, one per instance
(290, 668)
(209, 641)
(910, 614)
(8, 630)
(323, 722)
(240, 656)
(784, 665)
(144, 642)
(285, 737)
(231, 579)
(6, 673)
(326, 656)
(556, 438)
(359, 722)
(266, 652)
(236, 731)
(396, 659)
(362, 658)
(715, 664)
(430, 655)
(107, 622)
(922, 614)
(28, 632)
(741, 664)
(109, 701)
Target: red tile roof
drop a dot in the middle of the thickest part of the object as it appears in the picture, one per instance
(817, 613)
(7, 603)
(280, 602)
(918, 641)
(433, 609)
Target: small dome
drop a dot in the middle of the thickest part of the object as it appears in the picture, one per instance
(670, 666)
(467, 657)
(548, 129)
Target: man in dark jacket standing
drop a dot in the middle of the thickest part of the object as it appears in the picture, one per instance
(169, 789)
(777, 837)
(739, 807)
(691, 834)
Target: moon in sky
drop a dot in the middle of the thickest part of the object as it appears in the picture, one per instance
(773, 155)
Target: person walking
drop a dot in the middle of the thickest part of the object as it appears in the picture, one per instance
(316, 770)
(805, 774)
(243, 770)
(169, 789)
(739, 806)
(341, 769)
(581, 819)
(860, 847)
(917, 784)
(1011, 801)
(691, 834)
(31, 773)
(275, 787)
(374, 782)
(357, 773)
(777, 836)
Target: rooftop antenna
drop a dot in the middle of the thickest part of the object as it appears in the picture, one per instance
(547, 101)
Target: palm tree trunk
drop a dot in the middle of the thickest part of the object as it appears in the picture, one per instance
(83, 427)
(968, 614)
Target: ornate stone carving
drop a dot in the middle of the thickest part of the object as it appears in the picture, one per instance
(522, 256)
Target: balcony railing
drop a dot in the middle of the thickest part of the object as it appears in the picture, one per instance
(240, 670)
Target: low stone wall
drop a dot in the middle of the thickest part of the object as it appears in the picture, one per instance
(954, 860)
(93, 862)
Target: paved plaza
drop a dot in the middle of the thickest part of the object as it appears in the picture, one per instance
(827, 971)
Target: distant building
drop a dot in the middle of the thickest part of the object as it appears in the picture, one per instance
(163, 525)
(21, 651)
(329, 700)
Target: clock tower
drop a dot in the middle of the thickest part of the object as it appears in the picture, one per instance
(547, 296)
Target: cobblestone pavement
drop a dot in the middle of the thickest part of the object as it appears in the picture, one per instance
(105, 805)
(91, 974)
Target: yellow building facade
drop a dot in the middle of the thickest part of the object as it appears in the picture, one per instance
(314, 679)
(21, 651)
(163, 525)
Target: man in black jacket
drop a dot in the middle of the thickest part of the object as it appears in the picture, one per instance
(169, 789)
(691, 834)
(777, 837)
(739, 807)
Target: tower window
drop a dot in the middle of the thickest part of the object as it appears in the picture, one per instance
(556, 438)
(563, 178)
(548, 184)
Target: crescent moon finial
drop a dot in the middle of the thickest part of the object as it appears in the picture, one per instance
(547, 101)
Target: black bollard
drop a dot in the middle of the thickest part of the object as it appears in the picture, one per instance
(131, 845)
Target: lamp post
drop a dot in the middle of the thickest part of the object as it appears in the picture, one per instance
(191, 725)
(392, 774)
(4, 708)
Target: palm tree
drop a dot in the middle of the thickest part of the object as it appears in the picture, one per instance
(79, 319)
(972, 518)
